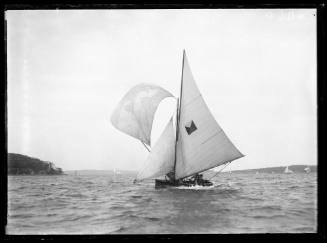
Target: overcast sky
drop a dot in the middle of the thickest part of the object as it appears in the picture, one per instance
(68, 69)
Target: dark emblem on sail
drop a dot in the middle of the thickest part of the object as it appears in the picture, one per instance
(190, 127)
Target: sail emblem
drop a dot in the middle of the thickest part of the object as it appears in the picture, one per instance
(190, 127)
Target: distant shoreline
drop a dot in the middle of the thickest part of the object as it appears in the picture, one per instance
(278, 169)
(23, 165)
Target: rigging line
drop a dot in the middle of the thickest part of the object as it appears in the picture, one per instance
(220, 170)
(212, 136)
(176, 135)
(135, 180)
(145, 146)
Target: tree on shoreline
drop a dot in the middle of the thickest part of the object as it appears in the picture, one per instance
(24, 165)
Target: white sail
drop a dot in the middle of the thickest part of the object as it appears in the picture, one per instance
(288, 171)
(307, 169)
(160, 161)
(135, 112)
(202, 144)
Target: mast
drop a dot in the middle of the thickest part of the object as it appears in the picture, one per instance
(178, 113)
(181, 91)
(177, 130)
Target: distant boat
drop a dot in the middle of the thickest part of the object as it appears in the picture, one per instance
(307, 169)
(195, 144)
(288, 171)
(257, 173)
(116, 172)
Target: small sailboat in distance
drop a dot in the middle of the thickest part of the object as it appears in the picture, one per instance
(307, 169)
(116, 172)
(288, 171)
(193, 144)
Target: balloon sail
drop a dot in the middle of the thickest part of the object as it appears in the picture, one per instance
(135, 112)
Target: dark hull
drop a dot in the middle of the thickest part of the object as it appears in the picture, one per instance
(167, 184)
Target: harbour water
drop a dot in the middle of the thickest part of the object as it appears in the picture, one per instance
(104, 204)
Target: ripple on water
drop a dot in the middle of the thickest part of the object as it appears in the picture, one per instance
(237, 203)
(152, 219)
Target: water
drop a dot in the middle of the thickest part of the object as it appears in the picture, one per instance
(238, 203)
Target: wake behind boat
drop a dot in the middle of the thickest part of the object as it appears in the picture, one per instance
(194, 143)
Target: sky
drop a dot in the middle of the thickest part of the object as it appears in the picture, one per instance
(68, 69)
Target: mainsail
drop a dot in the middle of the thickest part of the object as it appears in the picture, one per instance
(160, 160)
(201, 143)
(135, 112)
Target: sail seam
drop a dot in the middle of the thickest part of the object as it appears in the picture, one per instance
(212, 136)
(192, 100)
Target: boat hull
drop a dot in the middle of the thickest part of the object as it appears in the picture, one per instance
(167, 184)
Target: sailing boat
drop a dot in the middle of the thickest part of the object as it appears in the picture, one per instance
(194, 143)
(288, 171)
(307, 169)
(116, 172)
